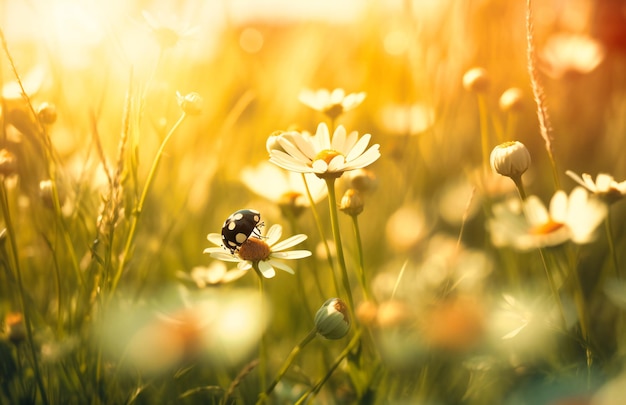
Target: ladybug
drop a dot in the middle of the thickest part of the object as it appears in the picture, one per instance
(239, 226)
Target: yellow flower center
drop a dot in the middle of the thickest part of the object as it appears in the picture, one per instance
(254, 250)
(327, 155)
(546, 228)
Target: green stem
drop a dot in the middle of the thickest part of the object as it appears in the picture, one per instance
(611, 242)
(484, 130)
(320, 230)
(290, 358)
(142, 199)
(4, 202)
(361, 261)
(318, 386)
(553, 287)
(334, 219)
(262, 346)
(520, 186)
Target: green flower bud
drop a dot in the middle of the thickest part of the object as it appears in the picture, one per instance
(331, 320)
(351, 203)
(47, 113)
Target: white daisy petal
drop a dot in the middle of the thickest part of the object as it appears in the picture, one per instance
(244, 265)
(336, 164)
(291, 255)
(339, 139)
(305, 146)
(266, 269)
(287, 243)
(282, 266)
(323, 136)
(589, 184)
(215, 238)
(558, 207)
(366, 159)
(320, 166)
(603, 182)
(273, 234)
(536, 212)
(292, 149)
(359, 148)
(225, 257)
(351, 140)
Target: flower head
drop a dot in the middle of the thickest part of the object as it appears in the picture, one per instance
(510, 159)
(476, 80)
(190, 103)
(565, 54)
(166, 36)
(604, 187)
(575, 217)
(287, 189)
(260, 253)
(318, 154)
(332, 103)
(331, 320)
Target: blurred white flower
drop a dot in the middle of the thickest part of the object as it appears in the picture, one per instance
(261, 253)
(566, 53)
(318, 154)
(332, 103)
(575, 217)
(604, 187)
(213, 274)
(281, 186)
(167, 34)
(398, 119)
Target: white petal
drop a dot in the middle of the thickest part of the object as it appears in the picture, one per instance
(291, 255)
(225, 257)
(339, 139)
(292, 149)
(320, 166)
(323, 136)
(589, 184)
(304, 143)
(282, 266)
(536, 212)
(603, 182)
(215, 238)
(366, 159)
(214, 250)
(266, 269)
(576, 178)
(337, 164)
(274, 234)
(287, 162)
(244, 265)
(351, 140)
(558, 207)
(359, 148)
(289, 242)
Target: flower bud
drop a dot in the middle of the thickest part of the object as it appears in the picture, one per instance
(15, 329)
(476, 80)
(362, 180)
(510, 159)
(351, 202)
(331, 320)
(8, 163)
(47, 113)
(45, 193)
(511, 100)
(191, 103)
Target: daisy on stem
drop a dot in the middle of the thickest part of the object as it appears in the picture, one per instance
(328, 159)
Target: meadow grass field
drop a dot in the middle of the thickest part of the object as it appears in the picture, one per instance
(372, 202)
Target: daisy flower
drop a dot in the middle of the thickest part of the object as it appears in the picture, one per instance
(214, 274)
(318, 154)
(332, 103)
(604, 187)
(575, 217)
(282, 187)
(262, 254)
(565, 54)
